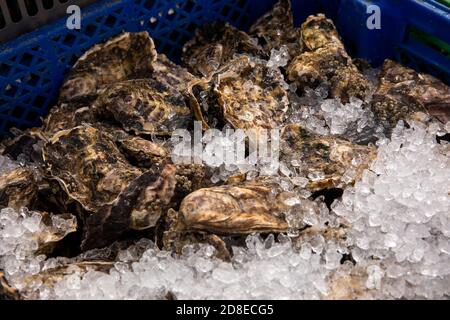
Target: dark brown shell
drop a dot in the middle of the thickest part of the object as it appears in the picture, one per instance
(326, 61)
(145, 106)
(18, 188)
(328, 156)
(138, 206)
(173, 74)
(403, 91)
(245, 93)
(142, 152)
(127, 56)
(214, 45)
(89, 166)
(276, 28)
(66, 116)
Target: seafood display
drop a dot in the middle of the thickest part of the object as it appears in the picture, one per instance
(97, 192)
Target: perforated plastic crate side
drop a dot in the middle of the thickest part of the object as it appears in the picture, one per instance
(396, 39)
(21, 16)
(33, 66)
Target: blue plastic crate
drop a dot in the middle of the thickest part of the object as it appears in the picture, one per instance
(32, 66)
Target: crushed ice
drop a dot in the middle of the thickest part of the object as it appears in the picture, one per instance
(397, 235)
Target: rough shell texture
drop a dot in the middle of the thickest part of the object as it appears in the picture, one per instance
(142, 152)
(175, 75)
(276, 28)
(214, 45)
(18, 188)
(233, 210)
(403, 91)
(127, 56)
(325, 60)
(138, 206)
(245, 93)
(66, 116)
(89, 166)
(325, 159)
(144, 106)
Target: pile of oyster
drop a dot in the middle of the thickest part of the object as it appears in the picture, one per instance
(99, 172)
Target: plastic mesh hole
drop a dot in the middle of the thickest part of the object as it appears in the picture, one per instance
(225, 11)
(242, 3)
(31, 6)
(2, 20)
(32, 115)
(170, 15)
(235, 16)
(26, 59)
(39, 101)
(14, 10)
(148, 4)
(10, 90)
(17, 112)
(110, 21)
(90, 30)
(32, 79)
(69, 40)
(174, 35)
(189, 5)
(47, 4)
(4, 69)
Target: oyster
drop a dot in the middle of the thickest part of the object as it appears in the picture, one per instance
(173, 74)
(88, 165)
(403, 91)
(214, 45)
(118, 196)
(325, 60)
(66, 116)
(233, 210)
(276, 28)
(138, 206)
(127, 56)
(144, 106)
(18, 188)
(26, 147)
(142, 152)
(327, 161)
(245, 93)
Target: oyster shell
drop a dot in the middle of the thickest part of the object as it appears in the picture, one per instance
(173, 74)
(276, 28)
(25, 148)
(89, 166)
(118, 196)
(329, 162)
(127, 56)
(325, 60)
(245, 93)
(145, 106)
(233, 210)
(403, 91)
(66, 116)
(18, 188)
(214, 45)
(138, 206)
